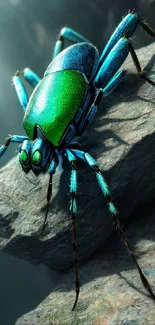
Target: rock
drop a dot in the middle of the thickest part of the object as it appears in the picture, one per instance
(111, 290)
(121, 138)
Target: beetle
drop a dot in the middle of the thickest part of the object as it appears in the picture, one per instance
(61, 106)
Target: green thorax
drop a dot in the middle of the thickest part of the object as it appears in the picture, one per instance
(54, 103)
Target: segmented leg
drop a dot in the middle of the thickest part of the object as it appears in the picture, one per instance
(20, 90)
(116, 51)
(137, 65)
(128, 24)
(108, 72)
(51, 170)
(31, 77)
(70, 35)
(88, 115)
(113, 211)
(73, 209)
(12, 138)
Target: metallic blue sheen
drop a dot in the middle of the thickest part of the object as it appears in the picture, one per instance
(128, 24)
(83, 57)
(38, 145)
(57, 49)
(14, 138)
(52, 167)
(112, 62)
(113, 83)
(72, 35)
(2, 150)
(26, 146)
(90, 160)
(112, 208)
(73, 206)
(31, 77)
(78, 154)
(69, 155)
(44, 148)
(73, 181)
(19, 138)
(21, 92)
(103, 185)
(92, 113)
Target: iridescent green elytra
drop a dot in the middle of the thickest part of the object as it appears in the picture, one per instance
(54, 103)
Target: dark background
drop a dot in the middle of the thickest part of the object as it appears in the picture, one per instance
(28, 31)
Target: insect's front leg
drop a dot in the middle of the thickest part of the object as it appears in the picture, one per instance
(9, 139)
(51, 169)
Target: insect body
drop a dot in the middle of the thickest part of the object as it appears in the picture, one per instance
(64, 102)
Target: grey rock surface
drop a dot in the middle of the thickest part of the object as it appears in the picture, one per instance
(111, 290)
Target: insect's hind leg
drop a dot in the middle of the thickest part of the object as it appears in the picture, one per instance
(108, 72)
(89, 116)
(138, 66)
(127, 26)
(70, 35)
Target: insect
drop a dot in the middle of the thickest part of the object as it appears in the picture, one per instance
(61, 106)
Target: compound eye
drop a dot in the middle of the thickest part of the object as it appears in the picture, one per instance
(36, 158)
(23, 157)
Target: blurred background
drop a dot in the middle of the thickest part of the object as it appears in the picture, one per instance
(28, 32)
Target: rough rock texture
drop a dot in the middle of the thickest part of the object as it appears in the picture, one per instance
(111, 292)
(122, 140)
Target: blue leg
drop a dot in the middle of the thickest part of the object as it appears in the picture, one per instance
(113, 211)
(112, 63)
(87, 115)
(127, 25)
(9, 139)
(73, 209)
(31, 77)
(87, 118)
(113, 83)
(70, 35)
(86, 157)
(20, 90)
